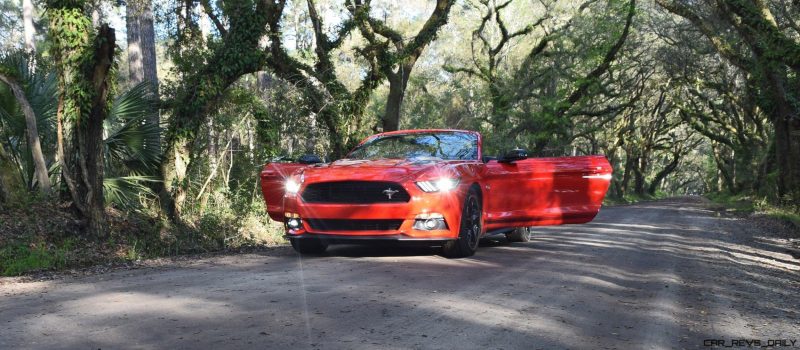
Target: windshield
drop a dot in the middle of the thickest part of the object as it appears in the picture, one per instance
(442, 145)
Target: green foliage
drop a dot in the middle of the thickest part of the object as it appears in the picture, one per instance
(240, 225)
(21, 258)
(223, 63)
(630, 198)
(128, 191)
(40, 90)
(739, 203)
(131, 145)
(787, 215)
(750, 204)
(10, 18)
(537, 100)
(130, 140)
(132, 148)
(72, 35)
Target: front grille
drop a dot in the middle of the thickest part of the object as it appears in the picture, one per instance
(354, 225)
(355, 192)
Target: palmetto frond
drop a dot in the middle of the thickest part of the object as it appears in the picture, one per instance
(131, 142)
(123, 190)
(132, 146)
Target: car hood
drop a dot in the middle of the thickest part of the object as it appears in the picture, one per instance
(395, 170)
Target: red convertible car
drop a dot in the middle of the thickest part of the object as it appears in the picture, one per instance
(430, 186)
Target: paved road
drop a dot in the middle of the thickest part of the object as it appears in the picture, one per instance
(657, 275)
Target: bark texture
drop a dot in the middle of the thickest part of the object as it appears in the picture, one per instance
(40, 166)
(84, 58)
(142, 47)
(27, 25)
(90, 132)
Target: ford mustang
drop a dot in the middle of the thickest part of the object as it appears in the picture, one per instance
(434, 187)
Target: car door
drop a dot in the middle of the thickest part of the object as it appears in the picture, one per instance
(273, 177)
(545, 191)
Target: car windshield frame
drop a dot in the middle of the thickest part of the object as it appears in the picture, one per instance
(437, 153)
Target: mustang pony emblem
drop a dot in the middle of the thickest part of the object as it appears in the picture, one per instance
(390, 192)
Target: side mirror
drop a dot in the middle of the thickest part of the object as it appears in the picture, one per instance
(309, 159)
(281, 159)
(513, 156)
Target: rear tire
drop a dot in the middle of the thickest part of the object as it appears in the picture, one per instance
(470, 229)
(308, 246)
(520, 234)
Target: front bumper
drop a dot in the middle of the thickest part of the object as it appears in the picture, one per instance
(361, 239)
(420, 205)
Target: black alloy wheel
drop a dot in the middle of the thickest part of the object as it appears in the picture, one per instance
(470, 232)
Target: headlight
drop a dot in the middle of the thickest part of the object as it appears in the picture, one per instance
(292, 186)
(444, 184)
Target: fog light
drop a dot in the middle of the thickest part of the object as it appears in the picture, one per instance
(430, 224)
(294, 223)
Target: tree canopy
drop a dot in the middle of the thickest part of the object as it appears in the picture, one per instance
(683, 97)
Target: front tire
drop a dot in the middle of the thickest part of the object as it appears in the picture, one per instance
(520, 234)
(308, 246)
(470, 232)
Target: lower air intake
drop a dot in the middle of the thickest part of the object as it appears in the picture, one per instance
(355, 225)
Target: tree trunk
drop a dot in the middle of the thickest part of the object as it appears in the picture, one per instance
(786, 134)
(40, 167)
(83, 58)
(408, 50)
(7, 180)
(626, 175)
(764, 168)
(499, 106)
(397, 90)
(66, 172)
(173, 170)
(661, 175)
(3, 191)
(142, 48)
(311, 134)
(211, 144)
(90, 132)
(725, 178)
(639, 171)
(787, 154)
(27, 25)
(336, 140)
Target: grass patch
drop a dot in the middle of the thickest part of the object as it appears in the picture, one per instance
(631, 198)
(785, 215)
(19, 258)
(44, 236)
(745, 204)
(742, 204)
